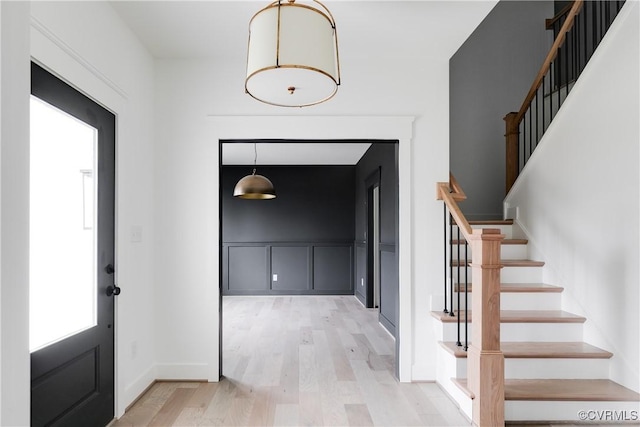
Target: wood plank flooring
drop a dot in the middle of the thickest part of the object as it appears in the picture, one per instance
(307, 360)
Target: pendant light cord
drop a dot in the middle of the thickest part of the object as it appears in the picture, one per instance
(255, 156)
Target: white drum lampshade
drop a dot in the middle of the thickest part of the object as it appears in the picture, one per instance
(292, 59)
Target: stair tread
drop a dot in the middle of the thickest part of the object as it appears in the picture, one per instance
(519, 316)
(490, 222)
(564, 390)
(540, 350)
(504, 242)
(506, 263)
(568, 390)
(520, 287)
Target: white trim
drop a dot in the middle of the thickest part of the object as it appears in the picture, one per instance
(42, 29)
(343, 127)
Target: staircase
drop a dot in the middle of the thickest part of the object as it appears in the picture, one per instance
(550, 373)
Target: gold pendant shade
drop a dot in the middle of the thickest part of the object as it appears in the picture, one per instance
(292, 59)
(254, 187)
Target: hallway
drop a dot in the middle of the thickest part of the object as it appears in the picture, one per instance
(308, 360)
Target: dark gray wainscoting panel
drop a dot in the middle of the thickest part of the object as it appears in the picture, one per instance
(388, 287)
(291, 264)
(333, 268)
(247, 268)
(360, 280)
(303, 268)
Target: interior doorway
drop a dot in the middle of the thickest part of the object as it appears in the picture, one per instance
(372, 239)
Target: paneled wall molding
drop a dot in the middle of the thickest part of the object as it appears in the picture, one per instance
(287, 268)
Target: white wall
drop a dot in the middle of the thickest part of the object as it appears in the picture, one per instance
(578, 198)
(490, 75)
(14, 214)
(99, 56)
(188, 93)
(167, 161)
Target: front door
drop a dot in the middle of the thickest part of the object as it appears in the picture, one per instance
(72, 288)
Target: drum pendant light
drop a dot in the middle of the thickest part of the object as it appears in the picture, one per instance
(254, 187)
(292, 59)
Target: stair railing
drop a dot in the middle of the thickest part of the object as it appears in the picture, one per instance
(578, 30)
(485, 361)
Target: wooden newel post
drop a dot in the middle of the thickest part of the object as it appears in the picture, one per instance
(512, 135)
(485, 361)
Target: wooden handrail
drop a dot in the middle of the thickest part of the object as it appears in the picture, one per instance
(568, 23)
(450, 193)
(548, 23)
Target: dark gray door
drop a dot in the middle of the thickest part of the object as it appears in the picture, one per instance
(71, 280)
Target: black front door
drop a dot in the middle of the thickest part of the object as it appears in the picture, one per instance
(72, 287)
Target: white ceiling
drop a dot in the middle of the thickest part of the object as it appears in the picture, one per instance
(299, 153)
(366, 29)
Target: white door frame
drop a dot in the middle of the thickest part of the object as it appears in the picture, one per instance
(342, 127)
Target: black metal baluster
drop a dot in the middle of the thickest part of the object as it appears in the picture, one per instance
(559, 85)
(466, 297)
(566, 67)
(445, 257)
(594, 19)
(521, 143)
(543, 103)
(551, 86)
(451, 265)
(537, 118)
(530, 130)
(458, 287)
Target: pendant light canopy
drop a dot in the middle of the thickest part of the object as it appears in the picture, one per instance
(254, 187)
(292, 59)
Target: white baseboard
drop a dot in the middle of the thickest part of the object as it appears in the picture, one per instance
(423, 372)
(183, 371)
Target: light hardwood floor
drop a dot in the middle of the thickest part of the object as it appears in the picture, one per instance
(308, 361)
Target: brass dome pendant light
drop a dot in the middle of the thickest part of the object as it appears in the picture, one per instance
(254, 187)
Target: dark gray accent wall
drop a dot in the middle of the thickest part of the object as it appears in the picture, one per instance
(299, 243)
(490, 75)
(382, 157)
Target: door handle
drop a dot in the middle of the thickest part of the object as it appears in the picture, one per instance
(109, 269)
(113, 290)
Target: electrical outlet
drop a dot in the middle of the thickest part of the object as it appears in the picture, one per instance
(275, 277)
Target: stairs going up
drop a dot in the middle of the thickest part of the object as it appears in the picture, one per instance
(550, 373)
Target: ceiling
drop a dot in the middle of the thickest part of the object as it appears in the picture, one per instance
(366, 29)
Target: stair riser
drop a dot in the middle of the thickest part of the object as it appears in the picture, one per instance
(556, 368)
(518, 300)
(504, 229)
(519, 332)
(506, 252)
(599, 412)
(507, 275)
(535, 368)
